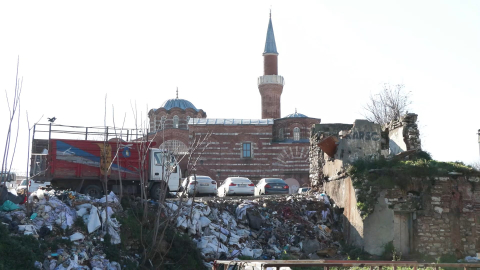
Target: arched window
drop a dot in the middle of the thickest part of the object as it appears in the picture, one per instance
(188, 119)
(175, 121)
(296, 134)
(175, 146)
(154, 126)
(162, 122)
(280, 134)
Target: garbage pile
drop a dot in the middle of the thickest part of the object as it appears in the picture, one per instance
(265, 228)
(53, 215)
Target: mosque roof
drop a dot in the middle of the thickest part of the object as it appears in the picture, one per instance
(270, 45)
(178, 103)
(296, 115)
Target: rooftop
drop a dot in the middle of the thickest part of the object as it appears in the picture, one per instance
(178, 103)
(222, 121)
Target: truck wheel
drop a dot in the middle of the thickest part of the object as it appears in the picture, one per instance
(156, 189)
(93, 191)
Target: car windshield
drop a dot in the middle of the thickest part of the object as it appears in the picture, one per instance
(274, 181)
(241, 180)
(24, 183)
(6, 176)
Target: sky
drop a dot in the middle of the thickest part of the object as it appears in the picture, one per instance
(332, 54)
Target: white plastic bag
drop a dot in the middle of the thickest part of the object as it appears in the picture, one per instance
(77, 236)
(93, 220)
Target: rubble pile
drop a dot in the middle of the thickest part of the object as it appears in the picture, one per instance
(293, 227)
(54, 214)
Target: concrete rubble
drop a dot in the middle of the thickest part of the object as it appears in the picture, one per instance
(265, 228)
(54, 213)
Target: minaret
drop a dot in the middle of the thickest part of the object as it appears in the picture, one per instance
(270, 84)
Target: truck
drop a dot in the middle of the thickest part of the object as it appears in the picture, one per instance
(83, 165)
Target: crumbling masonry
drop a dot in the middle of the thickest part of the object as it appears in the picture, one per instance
(433, 215)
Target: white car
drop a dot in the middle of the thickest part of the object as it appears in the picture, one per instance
(236, 186)
(34, 186)
(303, 190)
(203, 185)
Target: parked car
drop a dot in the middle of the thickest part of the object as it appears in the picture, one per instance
(303, 190)
(34, 186)
(236, 186)
(203, 185)
(272, 186)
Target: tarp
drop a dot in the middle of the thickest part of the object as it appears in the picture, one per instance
(8, 206)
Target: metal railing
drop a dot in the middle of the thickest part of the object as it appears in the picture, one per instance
(327, 264)
(79, 132)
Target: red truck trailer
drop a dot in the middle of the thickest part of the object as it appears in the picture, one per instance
(81, 165)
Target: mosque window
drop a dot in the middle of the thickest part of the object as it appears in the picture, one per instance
(188, 119)
(175, 121)
(247, 150)
(162, 122)
(280, 134)
(296, 134)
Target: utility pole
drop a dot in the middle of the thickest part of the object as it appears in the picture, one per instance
(478, 141)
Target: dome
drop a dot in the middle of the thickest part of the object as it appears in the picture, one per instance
(295, 115)
(178, 103)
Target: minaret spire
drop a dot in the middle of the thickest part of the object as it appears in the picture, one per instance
(270, 45)
(270, 84)
(177, 92)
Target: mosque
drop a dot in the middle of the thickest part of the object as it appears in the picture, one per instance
(273, 146)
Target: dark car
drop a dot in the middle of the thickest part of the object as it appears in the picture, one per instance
(272, 186)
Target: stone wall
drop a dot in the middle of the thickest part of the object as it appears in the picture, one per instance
(446, 214)
(403, 134)
(316, 155)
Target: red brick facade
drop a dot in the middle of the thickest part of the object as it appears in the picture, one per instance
(270, 64)
(270, 156)
(271, 94)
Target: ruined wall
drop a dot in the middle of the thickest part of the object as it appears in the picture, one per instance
(446, 221)
(316, 155)
(403, 134)
(441, 216)
(363, 140)
(342, 193)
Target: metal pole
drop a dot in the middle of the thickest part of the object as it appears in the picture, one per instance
(86, 133)
(107, 133)
(49, 131)
(127, 134)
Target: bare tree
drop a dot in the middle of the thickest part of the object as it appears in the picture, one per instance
(12, 108)
(390, 104)
(476, 165)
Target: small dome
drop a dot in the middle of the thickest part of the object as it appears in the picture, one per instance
(178, 103)
(295, 115)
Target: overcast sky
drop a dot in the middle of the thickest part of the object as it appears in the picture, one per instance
(333, 55)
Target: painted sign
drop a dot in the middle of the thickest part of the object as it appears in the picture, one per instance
(363, 135)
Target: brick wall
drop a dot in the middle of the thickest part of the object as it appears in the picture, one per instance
(271, 93)
(447, 220)
(223, 157)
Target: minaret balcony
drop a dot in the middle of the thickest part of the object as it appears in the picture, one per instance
(271, 79)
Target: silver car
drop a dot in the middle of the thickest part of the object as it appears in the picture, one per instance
(202, 185)
(236, 186)
(272, 186)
